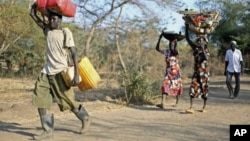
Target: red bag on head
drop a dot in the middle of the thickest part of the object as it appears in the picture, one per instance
(41, 5)
(64, 7)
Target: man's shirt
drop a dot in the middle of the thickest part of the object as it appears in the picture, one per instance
(233, 58)
(57, 41)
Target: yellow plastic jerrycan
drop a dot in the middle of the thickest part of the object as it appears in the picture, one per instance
(89, 76)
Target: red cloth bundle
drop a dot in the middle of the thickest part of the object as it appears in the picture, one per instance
(64, 7)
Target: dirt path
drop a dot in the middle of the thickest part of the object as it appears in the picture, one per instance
(112, 122)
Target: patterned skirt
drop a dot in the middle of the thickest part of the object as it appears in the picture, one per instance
(172, 84)
(200, 81)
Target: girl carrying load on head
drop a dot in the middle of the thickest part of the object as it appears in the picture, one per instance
(172, 84)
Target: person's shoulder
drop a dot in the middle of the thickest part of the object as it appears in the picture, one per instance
(66, 29)
(238, 50)
(46, 29)
(228, 52)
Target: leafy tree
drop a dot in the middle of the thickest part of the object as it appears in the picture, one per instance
(233, 26)
(98, 13)
(14, 30)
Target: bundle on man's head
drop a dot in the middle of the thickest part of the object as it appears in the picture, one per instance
(52, 12)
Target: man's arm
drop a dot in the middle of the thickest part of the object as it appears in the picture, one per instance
(242, 67)
(37, 19)
(226, 63)
(225, 71)
(75, 61)
(241, 63)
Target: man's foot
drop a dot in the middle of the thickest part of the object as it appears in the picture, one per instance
(204, 111)
(233, 97)
(44, 135)
(230, 96)
(190, 111)
(160, 106)
(86, 125)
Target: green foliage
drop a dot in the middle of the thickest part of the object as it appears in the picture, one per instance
(136, 87)
(13, 24)
(19, 38)
(233, 26)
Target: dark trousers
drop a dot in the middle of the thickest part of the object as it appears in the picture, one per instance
(236, 90)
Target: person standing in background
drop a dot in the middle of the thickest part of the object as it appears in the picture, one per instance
(233, 67)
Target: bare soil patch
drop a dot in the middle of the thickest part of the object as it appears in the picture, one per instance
(19, 120)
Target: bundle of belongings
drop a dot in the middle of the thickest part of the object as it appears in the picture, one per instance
(201, 22)
(172, 36)
(63, 7)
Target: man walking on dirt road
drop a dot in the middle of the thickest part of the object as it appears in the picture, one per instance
(50, 84)
(233, 67)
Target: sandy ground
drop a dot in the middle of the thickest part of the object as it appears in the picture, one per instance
(19, 120)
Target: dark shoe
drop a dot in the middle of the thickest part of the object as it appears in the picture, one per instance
(235, 96)
(160, 106)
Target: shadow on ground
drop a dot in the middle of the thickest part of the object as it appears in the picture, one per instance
(15, 128)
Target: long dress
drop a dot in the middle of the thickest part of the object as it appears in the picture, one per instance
(172, 84)
(200, 79)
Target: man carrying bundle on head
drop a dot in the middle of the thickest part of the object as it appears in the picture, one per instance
(50, 84)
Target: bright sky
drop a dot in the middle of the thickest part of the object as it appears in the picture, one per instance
(176, 27)
(179, 21)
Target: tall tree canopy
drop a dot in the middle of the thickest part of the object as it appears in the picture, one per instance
(100, 13)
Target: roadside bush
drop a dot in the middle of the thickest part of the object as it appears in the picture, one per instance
(136, 88)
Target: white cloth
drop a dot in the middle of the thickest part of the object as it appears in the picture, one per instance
(233, 58)
(56, 55)
(234, 42)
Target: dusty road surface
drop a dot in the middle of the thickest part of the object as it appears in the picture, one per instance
(19, 120)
